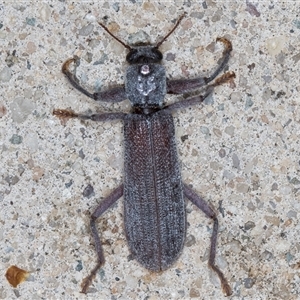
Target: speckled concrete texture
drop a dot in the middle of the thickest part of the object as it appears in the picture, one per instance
(240, 150)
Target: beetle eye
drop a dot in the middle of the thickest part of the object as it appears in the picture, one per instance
(131, 55)
(157, 53)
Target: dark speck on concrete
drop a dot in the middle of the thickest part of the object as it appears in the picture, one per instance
(88, 192)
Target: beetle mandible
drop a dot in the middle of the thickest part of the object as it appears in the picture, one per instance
(154, 206)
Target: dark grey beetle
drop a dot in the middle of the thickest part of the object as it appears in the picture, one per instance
(154, 206)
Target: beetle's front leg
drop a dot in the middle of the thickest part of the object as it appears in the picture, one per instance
(182, 86)
(102, 207)
(209, 212)
(116, 94)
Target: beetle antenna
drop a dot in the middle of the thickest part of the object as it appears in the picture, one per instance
(121, 42)
(176, 25)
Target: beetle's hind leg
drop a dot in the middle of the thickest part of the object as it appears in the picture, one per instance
(209, 212)
(102, 207)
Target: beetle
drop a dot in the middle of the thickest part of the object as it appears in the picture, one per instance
(154, 205)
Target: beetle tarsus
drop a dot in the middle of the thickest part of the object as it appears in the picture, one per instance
(66, 65)
(87, 281)
(228, 76)
(72, 75)
(225, 286)
(64, 113)
(225, 58)
(227, 44)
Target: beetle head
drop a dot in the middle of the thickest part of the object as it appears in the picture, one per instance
(144, 54)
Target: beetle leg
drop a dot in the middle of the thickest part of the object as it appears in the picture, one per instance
(204, 206)
(224, 59)
(200, 98)
(181, 86)
(116, 94)
(65, 114)
(102, 207)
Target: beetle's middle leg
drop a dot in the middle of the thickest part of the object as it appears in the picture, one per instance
(181, 86)
(198, 99)
(102, 207)
(66, 114)
(209, 212)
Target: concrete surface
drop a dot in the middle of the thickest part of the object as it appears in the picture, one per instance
(240, 150)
